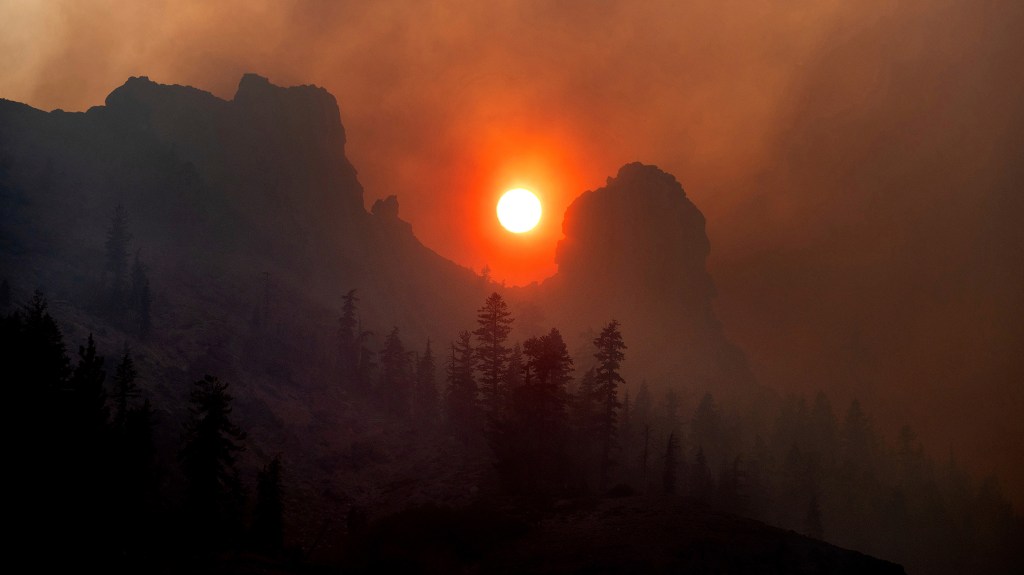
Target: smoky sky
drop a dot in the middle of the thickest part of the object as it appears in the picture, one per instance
(859, 163)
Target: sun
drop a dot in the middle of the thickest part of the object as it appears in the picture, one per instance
(519, 210)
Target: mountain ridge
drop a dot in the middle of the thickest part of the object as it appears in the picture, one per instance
(264, 178)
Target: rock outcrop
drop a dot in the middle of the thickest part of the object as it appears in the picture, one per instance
(636, 250)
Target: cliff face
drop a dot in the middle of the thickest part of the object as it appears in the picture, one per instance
(275, 155)
(638, 229)
(229, 188)
(265, 172)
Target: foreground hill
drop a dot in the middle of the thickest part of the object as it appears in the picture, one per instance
(631, 534)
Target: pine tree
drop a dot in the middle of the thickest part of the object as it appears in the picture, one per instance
(495, 324)
(642, 406)
(823, 430)
(365, 359)
(669, 420)
(529, 442)
(706, 430)
(348, 344)
(643, 422)
(514, 376)
(626, 426)
(461, 394)
(859, 441)
(702, 485)
(45, 358)
(124, 389)
(609, 357)
(549, 364)
(268, 514)
(43, 451)
(81, 450)
(758, 478)
(584, 415)
(425, 396)
(88, 395)
(133, 448)
(732, 495)
(671, 463)
(135, 486)
(212, 441)
(394, 374)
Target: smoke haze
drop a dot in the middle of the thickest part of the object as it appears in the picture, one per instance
(858, 163)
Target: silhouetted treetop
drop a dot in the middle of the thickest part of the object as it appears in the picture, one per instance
(494, 325)
(212, 442)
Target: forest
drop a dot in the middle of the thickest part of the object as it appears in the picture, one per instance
(546, 427)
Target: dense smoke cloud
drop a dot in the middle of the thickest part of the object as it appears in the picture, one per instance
(858, 163)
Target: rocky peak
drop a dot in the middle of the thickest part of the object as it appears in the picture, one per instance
(306, 113)
(277, 153)
(642, 225)
(636, 250)
(386, 209)
(140, 103)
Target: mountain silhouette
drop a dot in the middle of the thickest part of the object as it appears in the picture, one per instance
(261, 183)
(235, 188)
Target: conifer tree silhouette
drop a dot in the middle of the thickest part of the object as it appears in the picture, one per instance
(88, 398)
(607, 379)
(701, 483)
(395, 384)
(461, 393)
(348, 351)
(124, 390)
(355, 360)
(583, 416)
(671, 464)
(212, 442)
(45, 358)
(495, 323)
(425, 387)
(529, 441)
(268, 513)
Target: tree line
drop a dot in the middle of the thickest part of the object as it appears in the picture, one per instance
(516, 400)
(85, 468)
(84, 461)
(549, 431)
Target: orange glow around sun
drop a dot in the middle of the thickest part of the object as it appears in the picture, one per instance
(498, 157)
(519, 210)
